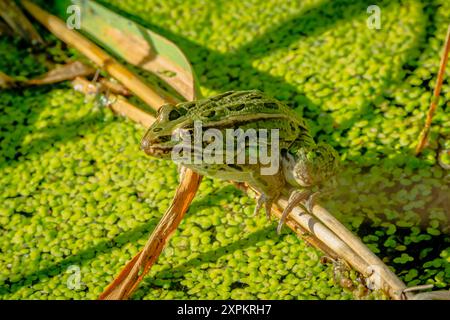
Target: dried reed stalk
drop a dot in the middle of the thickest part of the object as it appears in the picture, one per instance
(152, 96)
(18, 22)
(6, 81)
(435, 100)
(117, 103)
(129, 278)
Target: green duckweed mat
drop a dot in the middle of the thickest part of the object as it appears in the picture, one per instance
(78, 198)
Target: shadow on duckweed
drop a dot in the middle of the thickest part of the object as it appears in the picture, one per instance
(21, 108)
(135, 234)
(403, 215)
(88, 254)
(177, 273)
(22, 122)
(280, 36)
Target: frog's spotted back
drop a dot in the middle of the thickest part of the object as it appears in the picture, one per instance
(237, 104)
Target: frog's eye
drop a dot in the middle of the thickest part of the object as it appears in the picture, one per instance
(169, 112)
(175, 114)
(164, 111)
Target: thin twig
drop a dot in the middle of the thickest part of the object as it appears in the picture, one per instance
(419, 288)
(435, 100)
(434, 295)
(68, 71)
(118, 103)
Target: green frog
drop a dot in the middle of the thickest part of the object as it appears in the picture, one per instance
(302, 165)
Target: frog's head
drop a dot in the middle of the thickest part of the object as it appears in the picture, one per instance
(159, 141)
(311, 165)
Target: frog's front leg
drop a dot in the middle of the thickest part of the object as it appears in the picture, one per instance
(263, 200)
(303, 198)
(269, 188)
(312, 200)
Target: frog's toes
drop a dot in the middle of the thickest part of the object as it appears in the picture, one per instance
(268, 205)
(296, 198)
(311, 201)
(263, 200)
(240, 185)
(259, 203)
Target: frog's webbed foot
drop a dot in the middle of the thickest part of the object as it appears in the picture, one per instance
(305, 199)
(267, 202)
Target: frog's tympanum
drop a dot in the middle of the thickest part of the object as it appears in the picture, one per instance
(303, 164)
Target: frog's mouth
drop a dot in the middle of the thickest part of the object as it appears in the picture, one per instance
(156, 149)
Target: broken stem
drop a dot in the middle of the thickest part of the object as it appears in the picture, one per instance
(130, 277)
(117, 103)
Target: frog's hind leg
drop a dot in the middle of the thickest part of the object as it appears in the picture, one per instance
(295, 199)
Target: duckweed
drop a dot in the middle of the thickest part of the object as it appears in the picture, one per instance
(78, 198)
